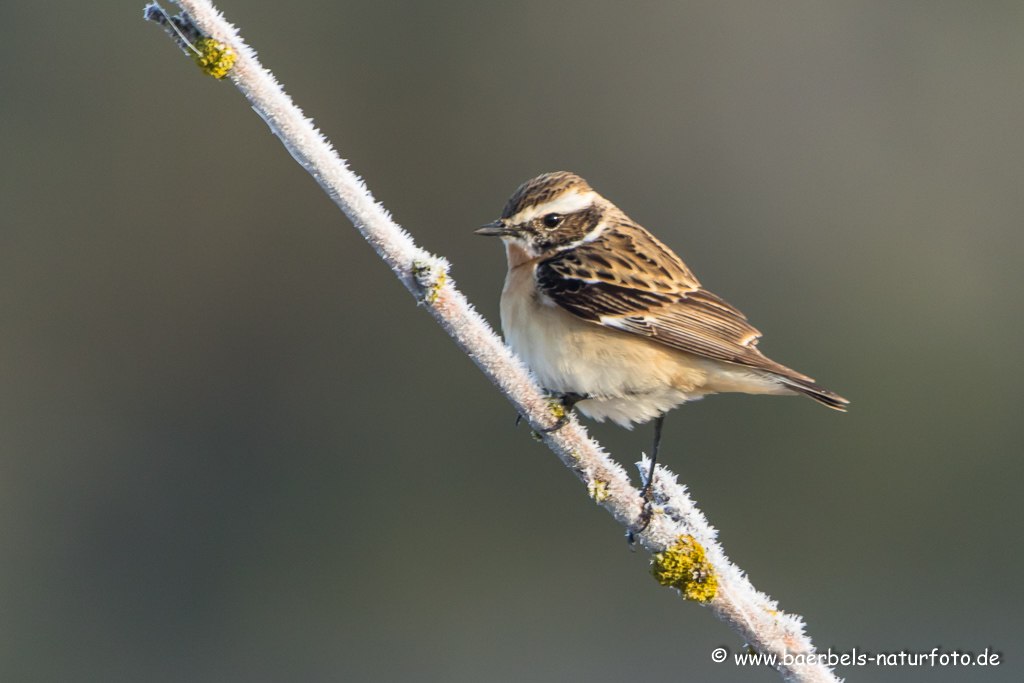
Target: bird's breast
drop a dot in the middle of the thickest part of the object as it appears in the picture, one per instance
(569, 354)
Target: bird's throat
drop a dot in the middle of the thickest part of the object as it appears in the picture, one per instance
(517, 254)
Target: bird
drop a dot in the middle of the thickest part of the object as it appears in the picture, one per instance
(612, 322)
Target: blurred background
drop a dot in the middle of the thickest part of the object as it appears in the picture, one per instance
(233, 449)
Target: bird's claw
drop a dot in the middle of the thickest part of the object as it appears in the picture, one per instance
(561, 406)
(646, 513)
(559, 410)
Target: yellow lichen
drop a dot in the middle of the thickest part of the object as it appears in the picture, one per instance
(214, 57)
(422, 270)
(684, 566)
(435, 289)
(598, 490)
(557, 408)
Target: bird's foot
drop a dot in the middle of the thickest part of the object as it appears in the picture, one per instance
(648, 510)
(561, 406)
(646, 513)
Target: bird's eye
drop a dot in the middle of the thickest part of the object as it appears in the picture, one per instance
(552, 220)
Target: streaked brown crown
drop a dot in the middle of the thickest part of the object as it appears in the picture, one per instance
(543, 189)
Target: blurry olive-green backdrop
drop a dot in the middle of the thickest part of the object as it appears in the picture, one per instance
(232, 449)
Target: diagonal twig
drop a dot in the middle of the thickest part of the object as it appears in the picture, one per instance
(687, 555)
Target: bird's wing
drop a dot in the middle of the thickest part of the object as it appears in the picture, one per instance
(650, 293)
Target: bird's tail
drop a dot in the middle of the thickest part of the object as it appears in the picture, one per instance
(805, 386)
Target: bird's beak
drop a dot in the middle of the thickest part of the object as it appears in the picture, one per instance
(498, 228)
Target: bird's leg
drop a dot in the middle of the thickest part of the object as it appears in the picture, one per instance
(658, 422)
(563, 403)
(645, 492)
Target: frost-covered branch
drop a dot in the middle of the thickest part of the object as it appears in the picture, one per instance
(687, 555)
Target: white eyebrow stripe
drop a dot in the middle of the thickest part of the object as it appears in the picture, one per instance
(570, 202)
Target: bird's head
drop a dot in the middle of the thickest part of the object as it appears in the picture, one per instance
(550, 213)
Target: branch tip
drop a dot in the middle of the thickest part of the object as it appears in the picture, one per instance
(213, 57)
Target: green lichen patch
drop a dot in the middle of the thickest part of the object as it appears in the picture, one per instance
(684, 566)
(214, 57)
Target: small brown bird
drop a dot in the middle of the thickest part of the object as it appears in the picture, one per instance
(612, 321)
